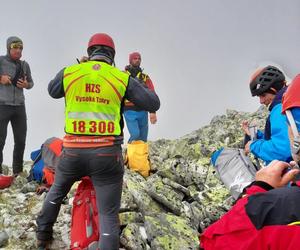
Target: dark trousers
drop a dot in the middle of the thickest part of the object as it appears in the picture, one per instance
(16, 115)
(105, 167)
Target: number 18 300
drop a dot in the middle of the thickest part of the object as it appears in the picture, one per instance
(93, 127)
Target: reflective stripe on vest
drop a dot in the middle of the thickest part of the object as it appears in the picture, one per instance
(142, 76)
(294, 223)
(91, 116)
(94, 92)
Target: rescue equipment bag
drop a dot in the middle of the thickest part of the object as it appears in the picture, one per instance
(45, 161)
(234, 169)
(137, 157)
(84, 221)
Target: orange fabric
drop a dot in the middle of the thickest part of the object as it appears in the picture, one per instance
(56, 146)
(48, 176)
(291, 97)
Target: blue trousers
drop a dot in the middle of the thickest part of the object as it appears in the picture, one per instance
(137, 124)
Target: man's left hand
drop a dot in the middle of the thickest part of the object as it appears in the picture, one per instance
(153, 118)
(22, 83)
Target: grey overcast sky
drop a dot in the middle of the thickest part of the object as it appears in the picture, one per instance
(199, 53)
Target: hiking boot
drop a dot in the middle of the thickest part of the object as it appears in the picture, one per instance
(43, 245)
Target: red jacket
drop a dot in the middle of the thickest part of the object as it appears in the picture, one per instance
(260, 220)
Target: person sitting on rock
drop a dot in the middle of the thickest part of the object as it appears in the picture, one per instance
(269, 85)
(268, 215)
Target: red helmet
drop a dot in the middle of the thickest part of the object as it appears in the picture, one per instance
(5, 181)
(101, 39)
(291, 98)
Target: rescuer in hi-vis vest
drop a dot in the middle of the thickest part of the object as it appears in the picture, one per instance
(137, 121)
(94, 93)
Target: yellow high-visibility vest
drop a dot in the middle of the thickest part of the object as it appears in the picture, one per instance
(93, 92)
(141, 76)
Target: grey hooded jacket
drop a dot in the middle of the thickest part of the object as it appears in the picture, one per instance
(9, 94)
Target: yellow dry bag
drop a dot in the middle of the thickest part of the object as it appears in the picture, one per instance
(138, 157)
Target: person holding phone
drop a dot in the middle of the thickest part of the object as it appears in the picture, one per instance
(15, 76)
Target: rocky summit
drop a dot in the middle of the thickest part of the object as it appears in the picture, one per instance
(166, 211)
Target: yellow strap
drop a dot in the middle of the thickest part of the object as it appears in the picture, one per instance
(294, 223)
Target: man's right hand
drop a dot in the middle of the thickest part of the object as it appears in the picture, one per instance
(5, 79)
(153, 118)
(276, 174)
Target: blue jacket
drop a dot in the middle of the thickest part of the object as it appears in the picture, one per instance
(274, 143)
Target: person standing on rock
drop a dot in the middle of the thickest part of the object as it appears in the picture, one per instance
(269, 85)
(94, 93)
(137, 154)
(15, 75)
(136, 118)
(268, 215)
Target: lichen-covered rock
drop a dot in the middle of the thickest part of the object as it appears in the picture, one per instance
(133, 237)
(3, 238)
(166, 211)
(130, 217)
(137, 187)
(127, 202)
(176, 186)
(167, 231)
(194, 212)
(165, 194)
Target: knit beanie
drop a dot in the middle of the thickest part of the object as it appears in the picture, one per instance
(134, 55)
(12, 39)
